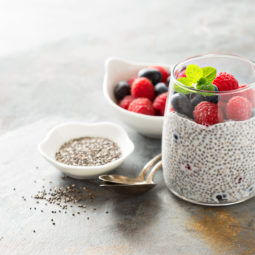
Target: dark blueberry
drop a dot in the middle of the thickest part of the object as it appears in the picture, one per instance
(161, 88)
(153, 75)
(176, 137)
(121, 90)
(168, 80)
(251, 188)
(195, 99)
(218, 197)
(215, 98)
(182, 104)
(224, 196)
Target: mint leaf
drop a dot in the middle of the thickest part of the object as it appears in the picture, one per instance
(203, 84)
(201, 81)
(194, 73)
(205, 87)
(185, 81)
(181, 89)
(209, 73)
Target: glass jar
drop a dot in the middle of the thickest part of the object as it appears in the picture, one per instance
(208, 143)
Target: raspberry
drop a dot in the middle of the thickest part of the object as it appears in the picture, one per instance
(142, 87)
(163, 72)
(207, 113)
(181, 74)
(225, 81)
(141, 105)
(249, 94)
(239, 108)
(160, 103)
(125, 102)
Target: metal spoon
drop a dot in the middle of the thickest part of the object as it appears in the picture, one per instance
(137, 187)
(111, 178)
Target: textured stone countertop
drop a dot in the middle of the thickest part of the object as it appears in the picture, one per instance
(60, 80)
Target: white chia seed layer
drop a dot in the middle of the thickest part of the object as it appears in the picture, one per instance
(213, 164)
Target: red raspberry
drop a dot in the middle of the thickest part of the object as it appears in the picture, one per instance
(160, 103)
(207, 113)
(225, 81)
(142, 87)
(141, 105)
(181, 74)
(125, 102)
(249, 94)
(163, 72)
(239, 108)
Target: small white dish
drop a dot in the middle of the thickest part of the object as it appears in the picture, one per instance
(116, 70)
(64, 132)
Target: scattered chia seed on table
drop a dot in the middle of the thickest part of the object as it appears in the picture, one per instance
(88, 151)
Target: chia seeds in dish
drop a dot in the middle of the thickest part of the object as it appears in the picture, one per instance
(214, 164)
(88, 151)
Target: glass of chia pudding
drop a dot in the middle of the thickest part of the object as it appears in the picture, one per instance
(208, 143)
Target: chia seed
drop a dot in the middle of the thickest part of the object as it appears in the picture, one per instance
(88, 151)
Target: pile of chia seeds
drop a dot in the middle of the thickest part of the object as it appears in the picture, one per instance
(88, 151)
(213, 164)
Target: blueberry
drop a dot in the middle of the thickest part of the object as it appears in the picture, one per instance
(195, 99)
(153, 75)
(251, 189)
(215, 98)
(161, 88)
(176, 136)
(121, 90)
(168, 80)
(219, 197)
(182, 104)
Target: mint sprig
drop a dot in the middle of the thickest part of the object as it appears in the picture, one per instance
(198, 78)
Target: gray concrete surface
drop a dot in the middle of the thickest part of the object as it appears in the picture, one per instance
(51, 70)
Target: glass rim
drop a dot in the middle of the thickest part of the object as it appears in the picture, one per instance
(192, 89)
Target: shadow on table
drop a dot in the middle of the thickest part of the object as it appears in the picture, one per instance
(135, 214)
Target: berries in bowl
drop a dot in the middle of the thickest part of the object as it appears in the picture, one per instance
(137, 93)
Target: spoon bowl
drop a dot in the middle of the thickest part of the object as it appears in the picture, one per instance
(135, 188)
(119, 179)
(128, 189)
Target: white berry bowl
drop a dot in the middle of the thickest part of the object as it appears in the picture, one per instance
(67, 131)
(116, 70)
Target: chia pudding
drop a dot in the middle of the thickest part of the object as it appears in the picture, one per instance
(208, 145)
(209, 164)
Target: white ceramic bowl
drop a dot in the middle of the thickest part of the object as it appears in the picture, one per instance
(62, 133)
(117, 70)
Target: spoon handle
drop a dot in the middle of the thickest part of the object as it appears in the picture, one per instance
(148, 166)
(153, 172)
